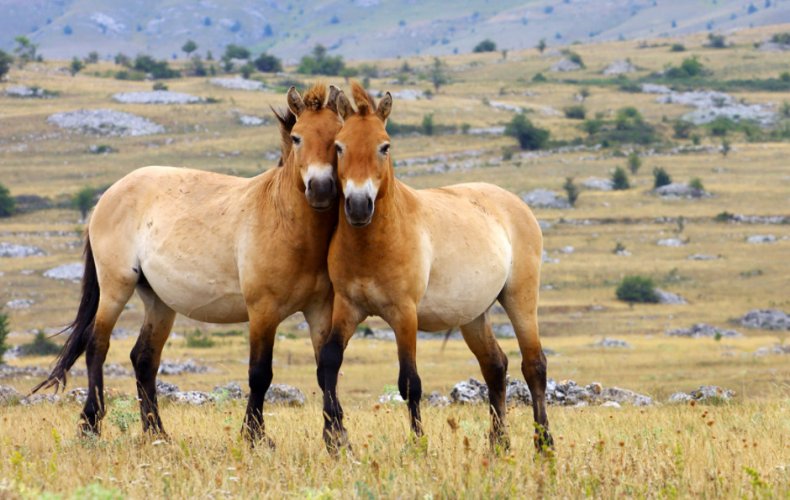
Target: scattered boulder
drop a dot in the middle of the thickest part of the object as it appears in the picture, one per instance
(495, 130)
(231, 390)
(778, 349)
(652, 88)
(711, 105)
(19, 303)
(237, 84)
(517, 393)
(165, 389)
(609, 343)
(105, 122)
(9, 395)
(598, 184)
(701, 330)
(17, 251)
(565, 65)
(469, 392)
(251, 121)
(7, 371)
(620, 67)
(702, 256)
(567, 250)
(618, 395)
(438, 399)
(766, 319)
(78, 394)
(761, 238)
(196, 398)
(391, 397)
(680, 190)
(178, 368)
(407, 94)
(543, 198)
(506, 106)
(35, 399)
(72, 272)
(29, 92)
(546, 259)
(704, 394)
(156, 97)
(286, 395)
(665, 297)
(670, 242)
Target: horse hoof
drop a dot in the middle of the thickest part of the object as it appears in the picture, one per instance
(500, 443)
(336, 440)
(86, 430)
(543, 441)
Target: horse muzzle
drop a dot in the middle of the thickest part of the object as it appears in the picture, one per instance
(359, 210)
(321, 193)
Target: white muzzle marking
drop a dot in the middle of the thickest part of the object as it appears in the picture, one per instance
(367, 188)
(317, 171)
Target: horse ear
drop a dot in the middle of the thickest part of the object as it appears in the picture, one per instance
(344, 108)
(331, 103)
(384, 107)
(295, 102)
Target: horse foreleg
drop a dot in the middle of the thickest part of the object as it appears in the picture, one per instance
(404, 322)
(345, 318)
(263, 328)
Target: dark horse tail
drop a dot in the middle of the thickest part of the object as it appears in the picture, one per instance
(81, 329)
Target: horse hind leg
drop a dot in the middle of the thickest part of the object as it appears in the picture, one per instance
(493, 364)
(520, 300)
(147, 354)
(111, 305)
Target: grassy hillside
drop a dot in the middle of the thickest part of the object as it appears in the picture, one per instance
(737, 449)
(363, 28)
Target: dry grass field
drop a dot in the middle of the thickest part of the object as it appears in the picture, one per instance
(736, 449)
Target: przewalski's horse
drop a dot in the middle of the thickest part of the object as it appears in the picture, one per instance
(433, 259)
(214, 248)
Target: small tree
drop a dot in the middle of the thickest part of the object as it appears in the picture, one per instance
(571, 191)
(620, 179)
(725, 147)
(4, 330)
(320, 63)
(427, 124)
(677, 47)
(438, 75)
(233, 51)
(634, 162)
(682, 129)
(528, 135)
(83, 200)
(93, 57)
(575, 112)
(486, 45)
(267, 63)
(717, 41)
(247, 70)
(25, 50)
(76, 66)
(189, 47)
(637, 289)
(661, 178)
(541, 46)
(7, 202)
(5, 63)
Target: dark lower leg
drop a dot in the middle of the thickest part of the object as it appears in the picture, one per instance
(260, 378)
(495, 375)
(410, 387)
(330, 358)
(93, 411)
(534, 370)
(145, 360)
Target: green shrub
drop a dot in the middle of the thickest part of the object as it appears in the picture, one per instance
(84, 200)
(689, 68)
(721, 126)
(528, 135)
(157, 69)
(620, 179)
(247, 70)
(682, 129)
(267, 63)
(123, 414)
(781, 38)
(427, 124)
(199, 339)
(41, 345)
(571, 190)
(629, 86)
(159, 86)
(5, 63)
(4, 331)
(716, 41)
(539, 77)
(660, 178)
(76, 66)
(575, 112)
(696, 184)
(319, 63)
(724, 217)
(677, 47)
(592, 126)
(486, 45)
(7, 202)
(233, 51)
(637, 289)
(229, 333)
(574, 57)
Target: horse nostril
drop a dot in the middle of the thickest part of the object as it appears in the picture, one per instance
(310, 185)
(370, 205)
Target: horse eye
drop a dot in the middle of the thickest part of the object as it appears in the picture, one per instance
(297, 140)
(339, 148)
(384, 149)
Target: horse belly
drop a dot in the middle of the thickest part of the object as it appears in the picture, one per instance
(198, 293)
(458, 297)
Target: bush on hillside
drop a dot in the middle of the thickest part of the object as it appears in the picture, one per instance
(637, 289)
(660, 178)
(5, 63)
(689, 68)
(528, 135)
(320, 63)
(7, 202)
(157, 69)
(4, 331)
(575, 112)
(41, 345)
(620, 179)
(486, 45)
(267, 63)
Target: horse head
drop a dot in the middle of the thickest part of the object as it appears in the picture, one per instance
(364, 167)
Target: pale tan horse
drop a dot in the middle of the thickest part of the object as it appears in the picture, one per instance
(429, 259)
(214, 248)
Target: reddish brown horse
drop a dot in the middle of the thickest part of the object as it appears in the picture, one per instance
(214, 248)
(433, 259)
